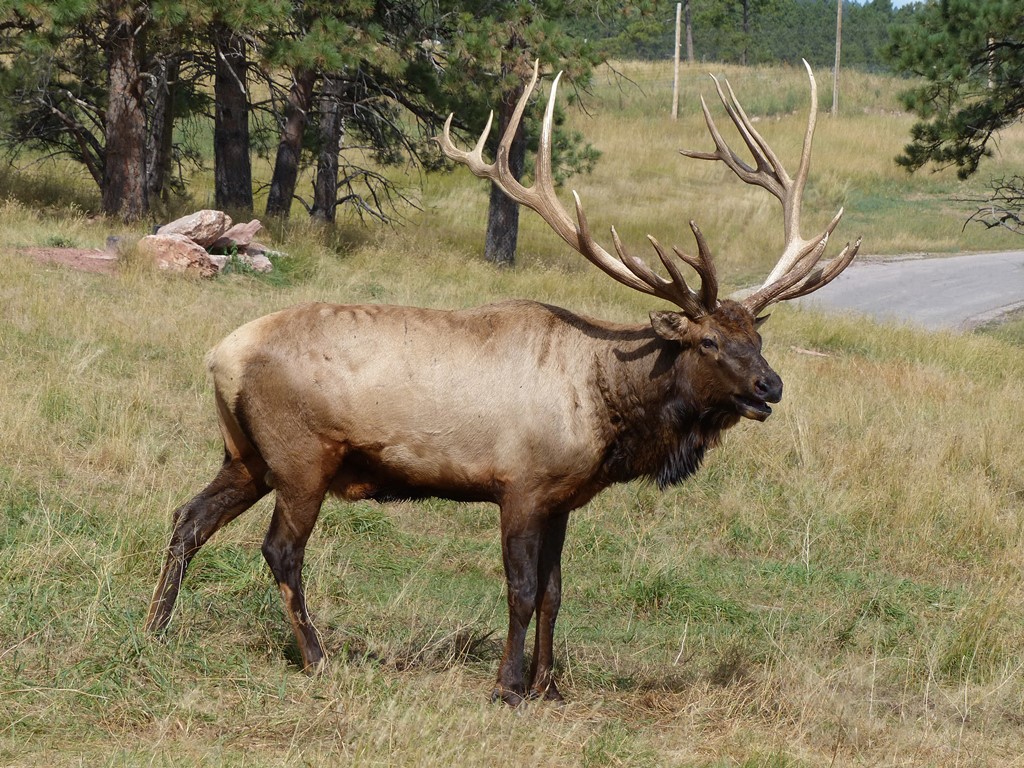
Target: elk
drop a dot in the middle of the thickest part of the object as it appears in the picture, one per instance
(528, 406)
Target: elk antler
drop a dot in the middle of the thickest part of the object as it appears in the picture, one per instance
(794, 275)
(541, 197)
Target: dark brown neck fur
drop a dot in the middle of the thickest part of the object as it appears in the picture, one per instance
(659, 426)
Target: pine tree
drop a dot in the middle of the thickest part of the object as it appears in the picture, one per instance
(971, 56)
(72, 82)
(94, 81)
(319, 37)
(489, 54)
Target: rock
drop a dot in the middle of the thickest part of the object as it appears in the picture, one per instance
(177, 253)
(183, 245)
(256, 249)
(204, 227)
(257, 262)
(239, 236)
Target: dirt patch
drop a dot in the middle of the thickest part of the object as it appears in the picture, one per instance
(84, 259)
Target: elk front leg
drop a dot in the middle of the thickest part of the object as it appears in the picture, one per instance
(520, 548)
(549, 598)
(236, 488)
(284, 549)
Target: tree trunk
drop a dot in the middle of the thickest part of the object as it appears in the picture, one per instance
(503, 212)
(232, 169)
(289, 150)
(124, 166)
(160, 138)
(332, 129)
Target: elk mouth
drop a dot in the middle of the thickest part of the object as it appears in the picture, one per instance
(752, 408)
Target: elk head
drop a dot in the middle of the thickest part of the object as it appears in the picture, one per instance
(721, 333)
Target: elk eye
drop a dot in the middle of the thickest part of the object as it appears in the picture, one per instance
(708, 343)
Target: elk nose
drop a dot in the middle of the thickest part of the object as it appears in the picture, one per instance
(769, 387)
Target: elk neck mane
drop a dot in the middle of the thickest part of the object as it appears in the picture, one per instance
(659, 426)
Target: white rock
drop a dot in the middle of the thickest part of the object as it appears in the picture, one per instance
(204, 227)
(240, 235)
(257, 261)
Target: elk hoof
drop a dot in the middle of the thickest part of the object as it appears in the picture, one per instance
(507, 696)
(316, 666)
(549, 693)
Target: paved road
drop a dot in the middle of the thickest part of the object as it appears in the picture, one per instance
(955, 293)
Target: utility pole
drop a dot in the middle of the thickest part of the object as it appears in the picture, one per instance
(675, 65)
(835, 70)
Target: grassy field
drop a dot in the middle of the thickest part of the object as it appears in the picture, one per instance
(840, 585)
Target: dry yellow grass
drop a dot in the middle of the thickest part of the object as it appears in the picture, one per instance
(838, 586)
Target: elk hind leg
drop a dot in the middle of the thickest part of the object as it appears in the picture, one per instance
(284, 549)
(239, 484)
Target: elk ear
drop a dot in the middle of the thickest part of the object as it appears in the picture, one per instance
(673, 326)
(759, 321)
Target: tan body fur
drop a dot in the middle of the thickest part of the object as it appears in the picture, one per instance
(415, 394)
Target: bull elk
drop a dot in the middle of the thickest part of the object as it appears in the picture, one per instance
(529, 406)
